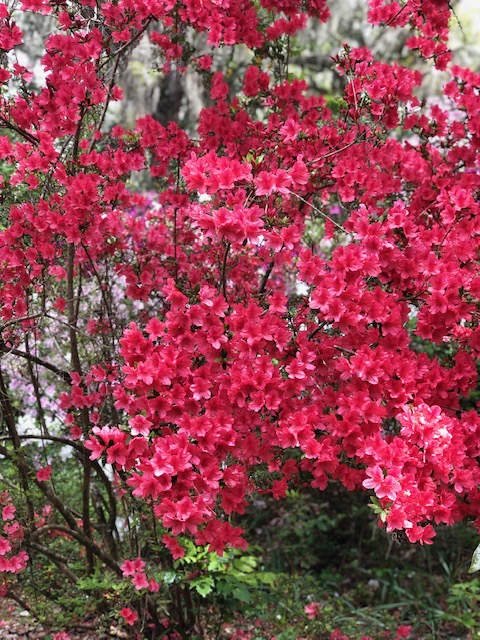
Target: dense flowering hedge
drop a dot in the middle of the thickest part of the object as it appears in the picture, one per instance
(195, 346)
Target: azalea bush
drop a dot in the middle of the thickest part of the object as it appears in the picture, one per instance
(265, 319)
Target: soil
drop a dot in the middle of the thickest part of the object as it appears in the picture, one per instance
(16, 624)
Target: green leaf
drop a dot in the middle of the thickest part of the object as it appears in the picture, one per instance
(475, 563)
(245, 564)
(267, 578)
(169, 577)
(224, 587)
(203, 586)
(376, 505)
(216, 563)
(242, 594)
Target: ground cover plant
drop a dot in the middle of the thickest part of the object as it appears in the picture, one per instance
(293, 305)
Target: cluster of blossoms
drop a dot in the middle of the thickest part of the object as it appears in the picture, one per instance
(12, 558)
(217, 371)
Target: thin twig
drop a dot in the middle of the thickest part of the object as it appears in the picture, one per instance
(224, 271)
(105, 106)
(317, 210)
(68, 516)
(348, 352)
(77, 367)
(129, 43)
(335, 151)
(18, 320)
(59, 560)
(72, 443)
(21, 132)
(266, 275)
(104, 296)
(317, 330)
(32, 358)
